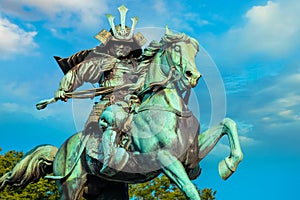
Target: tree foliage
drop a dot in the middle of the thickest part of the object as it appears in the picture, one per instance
(43, 189)
(161, 188)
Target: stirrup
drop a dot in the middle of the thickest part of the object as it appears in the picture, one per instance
(106, 170)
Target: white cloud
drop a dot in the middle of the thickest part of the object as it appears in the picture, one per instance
(67, 13)
(196, 19)
(290, 99)
(12, 107)
(55, 111)
(244, 128)
(21, 97)
(62, 18)
(279, 103)
(247, 141)
(15, 40)
(220, 149)
(285, 113)
(271, 30)
(16, 90)
(9, 107)
(160, 6)
(275, 27)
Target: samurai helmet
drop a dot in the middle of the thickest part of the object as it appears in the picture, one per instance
(121, 32)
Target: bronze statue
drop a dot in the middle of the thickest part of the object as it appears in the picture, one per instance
(145, 119)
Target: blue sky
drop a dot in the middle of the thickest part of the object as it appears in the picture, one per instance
(253, 46)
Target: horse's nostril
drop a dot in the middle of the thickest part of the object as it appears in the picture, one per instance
(188, 74)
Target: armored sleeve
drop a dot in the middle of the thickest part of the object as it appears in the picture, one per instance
(87, 71)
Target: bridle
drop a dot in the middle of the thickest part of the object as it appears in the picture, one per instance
(177, 69)
(174, 76)
(178, 66)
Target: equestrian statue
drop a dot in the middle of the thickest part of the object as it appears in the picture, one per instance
(142, 125)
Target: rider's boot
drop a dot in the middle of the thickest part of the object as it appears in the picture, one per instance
(114, 158)
(108, 143)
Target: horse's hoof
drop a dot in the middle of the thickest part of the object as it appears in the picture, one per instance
(224, 170)
(194, 173)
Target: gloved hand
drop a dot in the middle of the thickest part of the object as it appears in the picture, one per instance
(60, 94)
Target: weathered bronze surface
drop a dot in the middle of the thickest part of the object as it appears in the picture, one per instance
(142, 125)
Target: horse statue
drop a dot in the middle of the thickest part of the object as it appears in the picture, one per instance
(164, 135)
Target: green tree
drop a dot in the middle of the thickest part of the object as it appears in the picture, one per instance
(161, 188)
(208, 194)
(43, 189)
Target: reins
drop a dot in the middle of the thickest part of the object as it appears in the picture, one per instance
(159, 85)
(83, 94)
(90, 93)
(177, 48)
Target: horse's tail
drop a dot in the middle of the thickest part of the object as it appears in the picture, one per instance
(34, 165)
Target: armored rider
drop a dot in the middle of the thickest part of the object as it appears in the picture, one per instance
(112, 64)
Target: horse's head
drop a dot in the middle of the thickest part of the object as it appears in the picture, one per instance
(172, 58)
(181, 51)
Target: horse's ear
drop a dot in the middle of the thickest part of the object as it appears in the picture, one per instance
(168, 31)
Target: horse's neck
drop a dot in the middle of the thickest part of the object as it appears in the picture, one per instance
(155, 73)
(166, 96)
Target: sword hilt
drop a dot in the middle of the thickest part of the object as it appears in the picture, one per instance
(43, 103)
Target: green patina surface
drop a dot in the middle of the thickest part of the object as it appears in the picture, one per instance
(142, 125)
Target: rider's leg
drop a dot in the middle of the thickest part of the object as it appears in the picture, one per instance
(108, 143)
(115, 158)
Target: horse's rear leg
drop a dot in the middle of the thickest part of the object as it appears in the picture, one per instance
(71, 188)
(209, 138)
(173, 168)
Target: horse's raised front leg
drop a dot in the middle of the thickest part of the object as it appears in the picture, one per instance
(176, 172)
(228, 166)
(209, 138)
